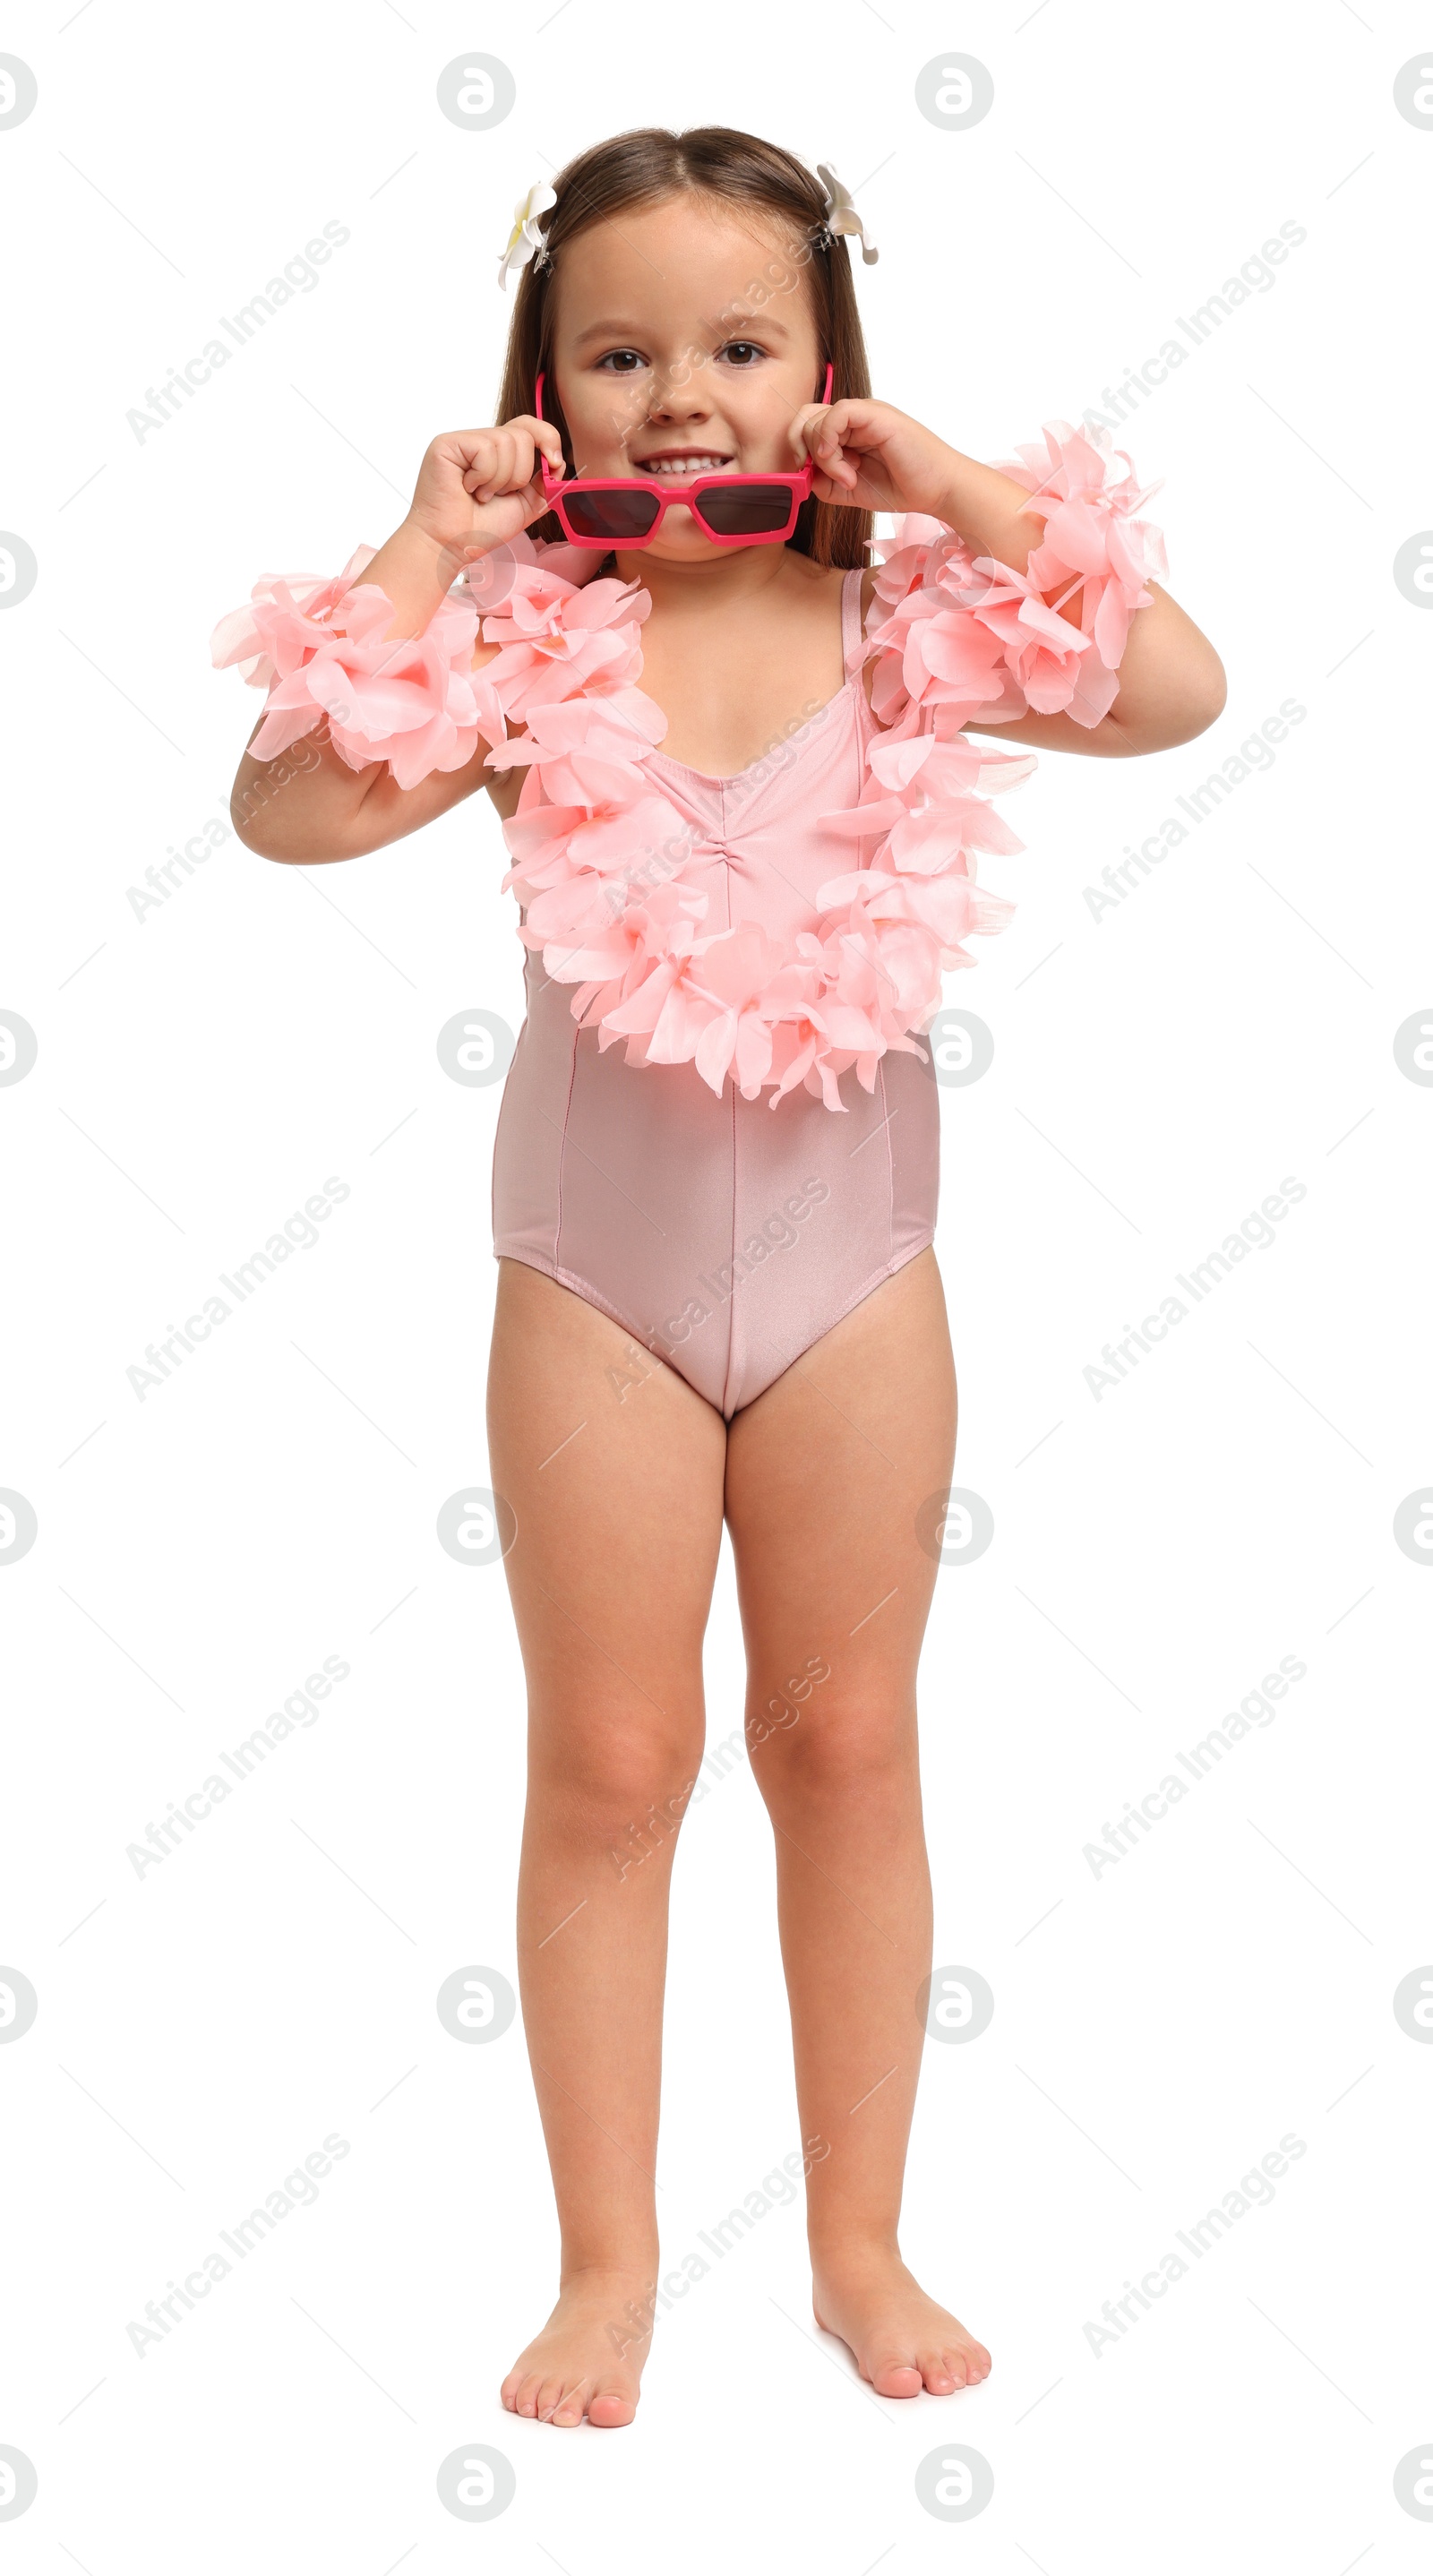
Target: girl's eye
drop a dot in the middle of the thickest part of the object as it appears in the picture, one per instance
(742, 352)
(622, 362)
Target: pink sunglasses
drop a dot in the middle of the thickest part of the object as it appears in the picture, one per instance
(628, 509)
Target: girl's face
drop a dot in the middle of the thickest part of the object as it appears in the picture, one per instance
(684, 343)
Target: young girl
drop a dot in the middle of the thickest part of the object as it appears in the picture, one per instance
(741, 786)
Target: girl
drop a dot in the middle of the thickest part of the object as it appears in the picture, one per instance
(714, 1186)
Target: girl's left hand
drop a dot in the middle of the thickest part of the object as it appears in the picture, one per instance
(869, 456)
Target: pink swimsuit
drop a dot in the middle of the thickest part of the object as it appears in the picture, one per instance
(719, 1126)
(718, 1232)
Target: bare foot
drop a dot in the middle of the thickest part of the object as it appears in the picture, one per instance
(588, 2358)
(901, 2341)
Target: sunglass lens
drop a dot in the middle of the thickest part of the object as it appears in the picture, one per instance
(749, 510)
(614, 516)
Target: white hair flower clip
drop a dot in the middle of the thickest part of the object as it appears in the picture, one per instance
(525, 239)
(841, 215)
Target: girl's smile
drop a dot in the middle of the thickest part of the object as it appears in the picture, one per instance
(675, 461)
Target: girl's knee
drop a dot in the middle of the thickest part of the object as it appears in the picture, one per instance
(828, 1746)
(610, 1774)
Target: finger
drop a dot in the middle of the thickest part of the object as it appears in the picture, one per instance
(827, 420)
(476, 459)
(807, 427)
(544, 434)
(514, 466)
(539, 444)
(486, 473)
(829, 462)
(817, 432)
(496, 460)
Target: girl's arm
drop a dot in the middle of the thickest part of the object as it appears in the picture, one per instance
(1172, 683)
(475, 488)
(1171, 680)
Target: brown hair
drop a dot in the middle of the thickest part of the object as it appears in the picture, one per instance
(714, 161)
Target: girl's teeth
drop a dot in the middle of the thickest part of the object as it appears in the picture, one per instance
(686, 465)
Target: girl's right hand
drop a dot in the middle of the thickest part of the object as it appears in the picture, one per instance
(476, 487)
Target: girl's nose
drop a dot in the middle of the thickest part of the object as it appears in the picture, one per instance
(683, 398)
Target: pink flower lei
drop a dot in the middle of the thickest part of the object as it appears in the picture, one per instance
(597, 848)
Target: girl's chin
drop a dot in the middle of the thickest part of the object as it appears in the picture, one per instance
(678, 546)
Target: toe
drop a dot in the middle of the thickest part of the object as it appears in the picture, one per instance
(977, 2362)
(549, 2397)
(609, 2408)
(892, 2377)
(525, 2402)
(571, 2404)
(940, 2374)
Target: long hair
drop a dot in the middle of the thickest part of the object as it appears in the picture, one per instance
(715, 161)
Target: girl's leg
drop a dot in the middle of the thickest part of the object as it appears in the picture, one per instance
(613, 1465)
(827, 1473)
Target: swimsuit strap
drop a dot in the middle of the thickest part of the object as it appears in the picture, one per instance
(850, 614)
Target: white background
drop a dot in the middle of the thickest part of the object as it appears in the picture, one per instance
(1158, 1072)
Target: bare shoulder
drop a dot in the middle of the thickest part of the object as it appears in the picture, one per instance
(819, 585)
